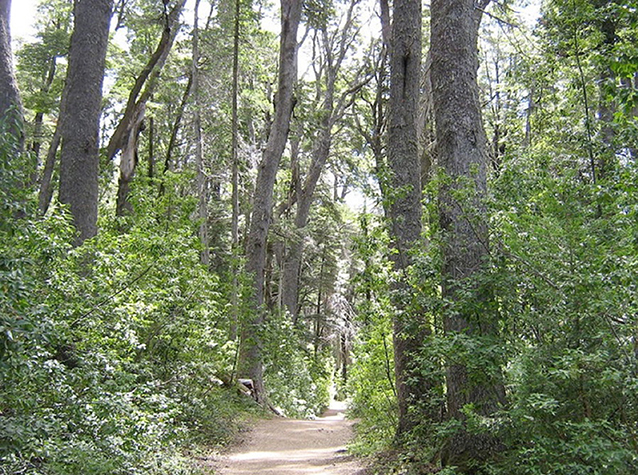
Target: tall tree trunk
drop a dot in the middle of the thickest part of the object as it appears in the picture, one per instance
(332, 110)
(404, 203)
(46, 186)
(235, 130)
(125, 137)
(79, 163)
(462, 153)
(234, 226)
(305, 195)
(632, 82)
(10, 104)
(202, 182)
(606, 108)
(251, 355)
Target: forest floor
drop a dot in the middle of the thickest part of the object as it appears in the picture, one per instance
(295, 447)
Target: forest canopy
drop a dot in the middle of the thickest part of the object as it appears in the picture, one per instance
(427, 210)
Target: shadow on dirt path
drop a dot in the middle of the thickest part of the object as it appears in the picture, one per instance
(296, 447)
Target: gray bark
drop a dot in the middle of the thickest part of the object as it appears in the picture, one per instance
(125, 137)
(403, 196)
(234, 222)
(10, 104)
(462, 153)
(128, 162)
(79, 164)
(332, 110)
(251, 364)
(39, 116)
(235, 131)
(46, 184)
(202, 180)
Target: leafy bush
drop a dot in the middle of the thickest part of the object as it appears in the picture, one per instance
(298, 383)
(108, 351)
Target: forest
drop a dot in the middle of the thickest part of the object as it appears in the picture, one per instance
(427, 210)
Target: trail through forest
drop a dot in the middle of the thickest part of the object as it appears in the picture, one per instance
(291, 446)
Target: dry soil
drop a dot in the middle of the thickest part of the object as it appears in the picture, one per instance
(296, 447)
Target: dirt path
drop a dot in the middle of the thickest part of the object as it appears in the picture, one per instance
(296, 447)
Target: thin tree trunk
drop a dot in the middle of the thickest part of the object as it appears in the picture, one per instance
(606, 108)
(633, 82)
(128, 162)
(331, 112)
(251, 358)
(462, 153)
(80, 118)
(202, 182)
(235, 130)
(151, 148)
(172, 142)
(128, 129)
(46, 185)
(235, 175)
(39, 116)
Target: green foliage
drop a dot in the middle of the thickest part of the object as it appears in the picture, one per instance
(371, 385)
(567, 294)
(108, 352)
(298, 382)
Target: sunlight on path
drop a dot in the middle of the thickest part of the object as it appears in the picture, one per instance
(289, 447)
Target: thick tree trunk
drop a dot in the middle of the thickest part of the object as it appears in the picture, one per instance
(79, 164)
(251, 354)
(11, 117)
(404, 203)
(462, 153)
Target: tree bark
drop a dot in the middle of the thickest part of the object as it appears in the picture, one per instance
(39, 116)
(79, 161)
(128, 162)
(202, 181)
(462, 154)
(46, 185)
(177, 123)
(251, 351)
(404, 204)
(234, 226)
(235, 131)
(332, 110)
(125, 137)
(10, 104)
